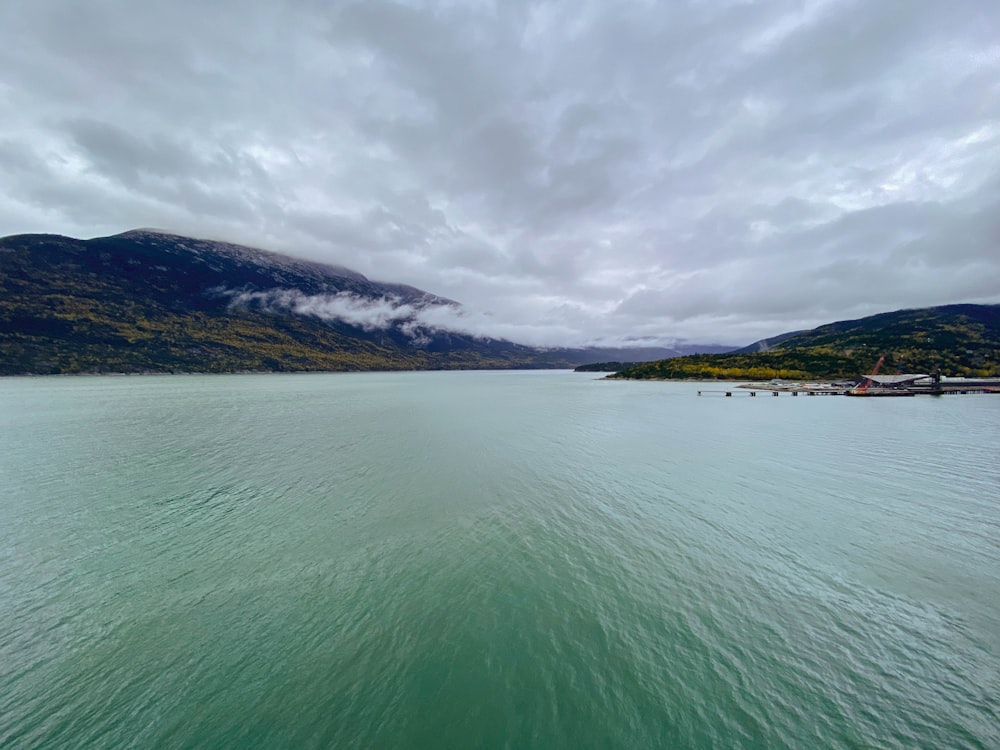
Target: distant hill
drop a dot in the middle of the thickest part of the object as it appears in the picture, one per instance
(632, 357)
(632, 354)
(604, 366)
(148, 301)
(683, 349)
(955, 339)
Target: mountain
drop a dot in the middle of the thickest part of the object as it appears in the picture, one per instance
(683, 349)
(955, 339)
(148, 301)
(604, 366)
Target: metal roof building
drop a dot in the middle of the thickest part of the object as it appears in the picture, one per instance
(892, 380)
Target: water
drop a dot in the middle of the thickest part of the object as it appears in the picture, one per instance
(493, 560)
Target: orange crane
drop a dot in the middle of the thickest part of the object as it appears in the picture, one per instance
(868, 383)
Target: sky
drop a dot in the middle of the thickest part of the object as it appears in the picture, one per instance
(589, 172)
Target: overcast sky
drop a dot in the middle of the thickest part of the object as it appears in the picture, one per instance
(577, 172)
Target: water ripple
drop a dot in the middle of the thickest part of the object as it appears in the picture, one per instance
(493, 560)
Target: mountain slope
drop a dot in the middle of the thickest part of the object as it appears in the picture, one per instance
(146, 301)
(955, 339)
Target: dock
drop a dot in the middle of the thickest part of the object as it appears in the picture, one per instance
(742, 390)
(893, 386)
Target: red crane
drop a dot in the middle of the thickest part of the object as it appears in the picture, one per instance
(868, 382)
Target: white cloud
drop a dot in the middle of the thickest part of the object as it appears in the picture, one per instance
(390, 312)
(363, 312)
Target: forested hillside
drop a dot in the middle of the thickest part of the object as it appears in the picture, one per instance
(146, 301)
(955, 339)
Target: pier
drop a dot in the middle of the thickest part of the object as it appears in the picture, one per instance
(878, 387)
(742, 390)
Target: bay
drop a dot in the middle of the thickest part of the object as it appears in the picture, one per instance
(493, 560)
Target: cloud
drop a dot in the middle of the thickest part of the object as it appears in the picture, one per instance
(571, 172)
(364, 312)
(416, 321)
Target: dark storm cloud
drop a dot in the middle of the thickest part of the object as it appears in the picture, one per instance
(572, 172)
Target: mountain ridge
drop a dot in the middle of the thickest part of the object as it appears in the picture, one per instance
(154, 301)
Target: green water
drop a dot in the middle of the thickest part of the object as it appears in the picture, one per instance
(493, 560)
